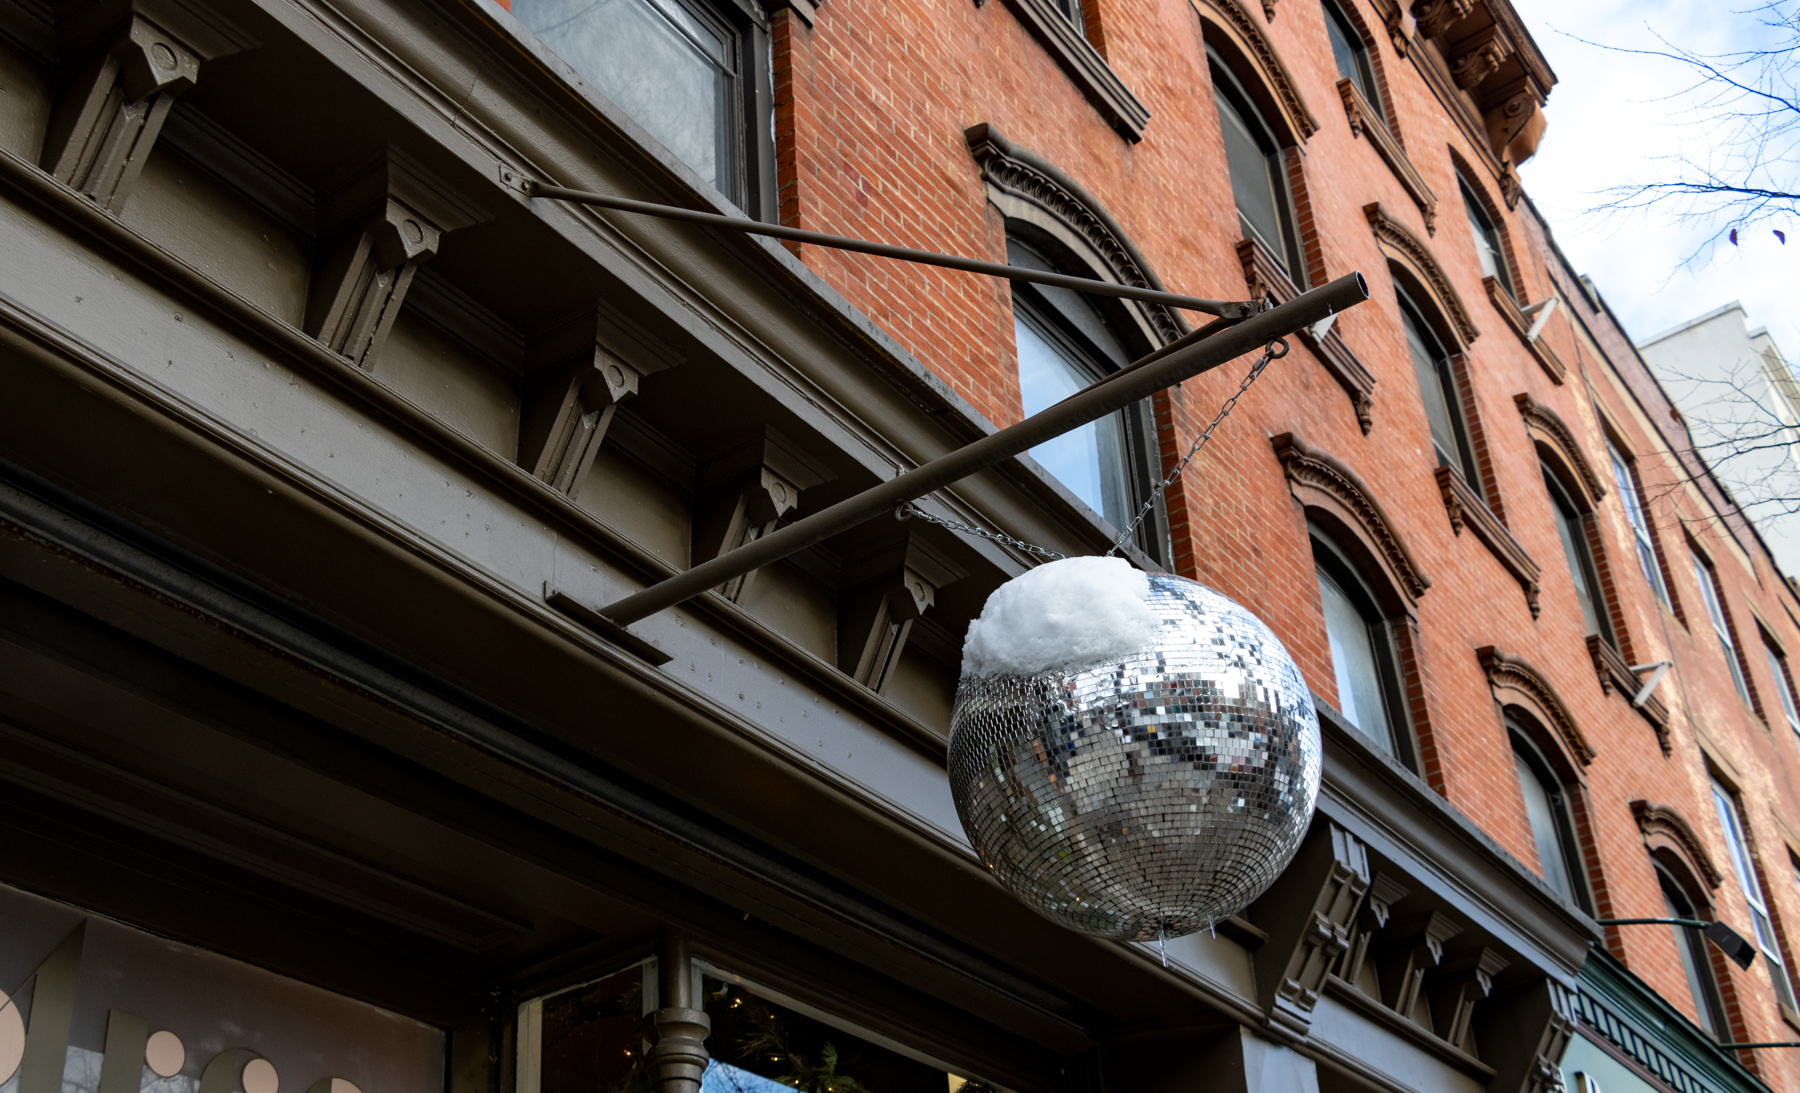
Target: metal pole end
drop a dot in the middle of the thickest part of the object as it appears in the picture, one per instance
(1361, 283)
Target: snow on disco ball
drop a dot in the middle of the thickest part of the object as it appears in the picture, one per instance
(1145, 790)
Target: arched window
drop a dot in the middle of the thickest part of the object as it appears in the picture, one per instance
(1552, 821)
(1571, 526)
(1364, 655)
(1064, 344)
(1489, 247)
(1438, 387)
(1352, 56)
(1709, 1010)
(1254, 159)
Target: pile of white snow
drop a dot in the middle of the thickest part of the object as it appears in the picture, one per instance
(1065, 615)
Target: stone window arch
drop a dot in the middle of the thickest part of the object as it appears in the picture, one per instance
(1357, 548)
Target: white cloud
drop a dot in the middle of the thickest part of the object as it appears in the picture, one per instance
(1611, 115)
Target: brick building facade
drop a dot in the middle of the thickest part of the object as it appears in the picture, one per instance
(321, 439)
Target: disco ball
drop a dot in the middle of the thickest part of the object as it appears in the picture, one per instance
(1150, 795)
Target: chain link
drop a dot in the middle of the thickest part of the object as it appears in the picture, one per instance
(908, 511)
(1274, 351)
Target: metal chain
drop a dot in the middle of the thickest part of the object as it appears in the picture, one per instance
(908, 511)
(1274, 351)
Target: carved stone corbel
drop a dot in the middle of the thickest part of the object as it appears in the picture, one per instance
(885, 592)
(1505, 111)
(379, 223)
(1475, 58)
(1459, 982)
(577, 374)
(1416, 948)
(1435, 17)
(130, 60)
(1384, 893)
(1523, 1031)
(1308, 915)
(743, 491)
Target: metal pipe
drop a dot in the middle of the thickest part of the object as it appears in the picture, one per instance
(1230, 309)
(1771, 1043)
(1077, 410)
(1694, 922)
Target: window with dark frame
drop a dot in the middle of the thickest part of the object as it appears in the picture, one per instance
(1571, 527)
(1352, 56)
(1064, 344)
(1710, 596)
(681, 69)
(1552, 822)
(1071, 10)
(1437, 385)
(1731, 821)
(1709, 1009)
(1254, 159)
(1625, 478)
(1488, 246)
(1784, 682)
(1364, 656)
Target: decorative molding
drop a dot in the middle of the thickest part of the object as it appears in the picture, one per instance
(742, 493)
(1366, 121)
(1509, 310)
(1544, 425)
(1016, 174)
(1310, 469)
(1403, 246)
(1237, 21)
(1616, 677)
(125, 64)
(1467, 509)
(1308, 916)
(1084, 66)
(1265, 279)
(1661, 824)
(885, 592)
(1514, 677)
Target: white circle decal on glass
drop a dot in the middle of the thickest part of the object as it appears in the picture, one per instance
(12, 1037)
(260, 1077)
(164, 1053)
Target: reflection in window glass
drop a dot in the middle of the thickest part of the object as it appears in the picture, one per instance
(1544, 809)
(662, 64)
(1709, 595)
(1353, 661)
(1778, 669)
(590, 1037)
(1437, 386)
(1351, 55)
(1751, 885)
(1640, 527)
(1487, 240)
(1573, 530)
(1089, 460)
(1253, 160)
(1694, 961)
(760, 1045)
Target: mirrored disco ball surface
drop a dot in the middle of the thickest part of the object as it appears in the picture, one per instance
(1154, 794)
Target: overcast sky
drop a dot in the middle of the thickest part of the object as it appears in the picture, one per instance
(1606, 127)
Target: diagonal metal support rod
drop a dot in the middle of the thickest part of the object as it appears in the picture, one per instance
(1228, 309)
(1165, 368)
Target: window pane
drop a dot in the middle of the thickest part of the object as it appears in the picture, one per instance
(1640, 527)
(1353, 661)
(1782, 689)
(660, 64)
(1089, 460)
(1434, 387)
(1709, 592)
(1541, 810)
(1253, 182)
(1735, 846)
(1574, 540)
(592, 1035)
(1486, 238)
(1693, 961)
(1344, 50)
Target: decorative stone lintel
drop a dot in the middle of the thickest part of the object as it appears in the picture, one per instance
(1514, 677)
(1366, 121)
(1466, 508)
(1662, 825)
(1547, 427)
(1617, 677)
(1404, 246)
(1309, 469)
(1515, 319)
(1250, 37)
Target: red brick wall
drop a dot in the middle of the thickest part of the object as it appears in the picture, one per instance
(872, 104)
